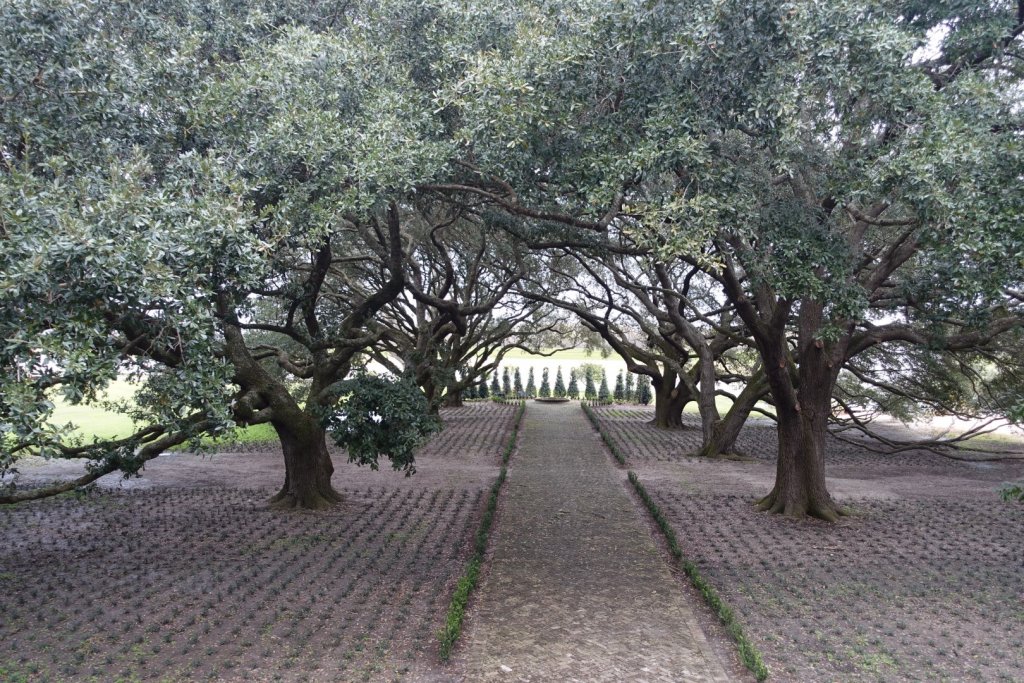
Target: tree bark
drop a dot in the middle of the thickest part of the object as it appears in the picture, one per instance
(308, 467)
(722, 439)
(802, 412)
(669, 400)
(425, 379)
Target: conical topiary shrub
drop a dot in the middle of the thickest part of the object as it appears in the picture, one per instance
(545, 385)
(559, 384)
(643, 391)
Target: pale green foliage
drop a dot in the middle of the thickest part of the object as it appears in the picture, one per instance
(1012, 492)
(165, 166)
(162, 161)
(331, 123)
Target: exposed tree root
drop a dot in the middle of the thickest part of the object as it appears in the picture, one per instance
(310, 500)
(712, 454)
(824, 510)
(672, 426)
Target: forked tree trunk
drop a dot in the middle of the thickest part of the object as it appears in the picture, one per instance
(725, 432)
(308, 467)
(669, 401)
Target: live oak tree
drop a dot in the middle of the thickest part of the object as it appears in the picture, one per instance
(456, 318)
(866, 169)
(849, 172)
(190, 202)
(664, 322)
(217, 198)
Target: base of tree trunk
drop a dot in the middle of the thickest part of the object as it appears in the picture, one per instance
(715, 454)
(319, 499)
(801, 506)
(670, 423)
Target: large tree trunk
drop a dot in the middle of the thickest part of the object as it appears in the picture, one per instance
(669, 400)
(800, 488)
(802, 412)
(453, 398)
(706, 405)
(722, 439)
(430, 391)
(308, 467)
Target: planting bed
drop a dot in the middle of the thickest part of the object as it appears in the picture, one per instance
(924, 583)
(186, 575)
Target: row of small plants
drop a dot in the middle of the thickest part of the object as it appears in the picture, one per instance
(452, 628)
(206, 583)
(749, 654)
(915, 588)
(206, 586)
(608, 441)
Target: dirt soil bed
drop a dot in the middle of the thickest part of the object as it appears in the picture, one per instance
(184, 574)
(924, 583)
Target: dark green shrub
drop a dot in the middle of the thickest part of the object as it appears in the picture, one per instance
(643, 391)
(574, 384)
(559, 384)
(603, 395)
(620, 388)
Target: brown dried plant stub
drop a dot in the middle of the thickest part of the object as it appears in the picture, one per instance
(171, 580)
(922, 583)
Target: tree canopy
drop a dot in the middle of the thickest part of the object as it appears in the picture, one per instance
(236, 203)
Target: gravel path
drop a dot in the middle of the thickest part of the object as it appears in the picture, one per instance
(576, 589)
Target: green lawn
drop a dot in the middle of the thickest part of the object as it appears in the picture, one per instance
(94, 421)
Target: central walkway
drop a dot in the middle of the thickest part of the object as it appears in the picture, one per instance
(576, 589)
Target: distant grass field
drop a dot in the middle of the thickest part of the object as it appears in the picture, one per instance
(95, 421)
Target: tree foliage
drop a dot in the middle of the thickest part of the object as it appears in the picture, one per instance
(233, 203)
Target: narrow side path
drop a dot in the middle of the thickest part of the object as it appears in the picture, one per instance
(576, 589)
